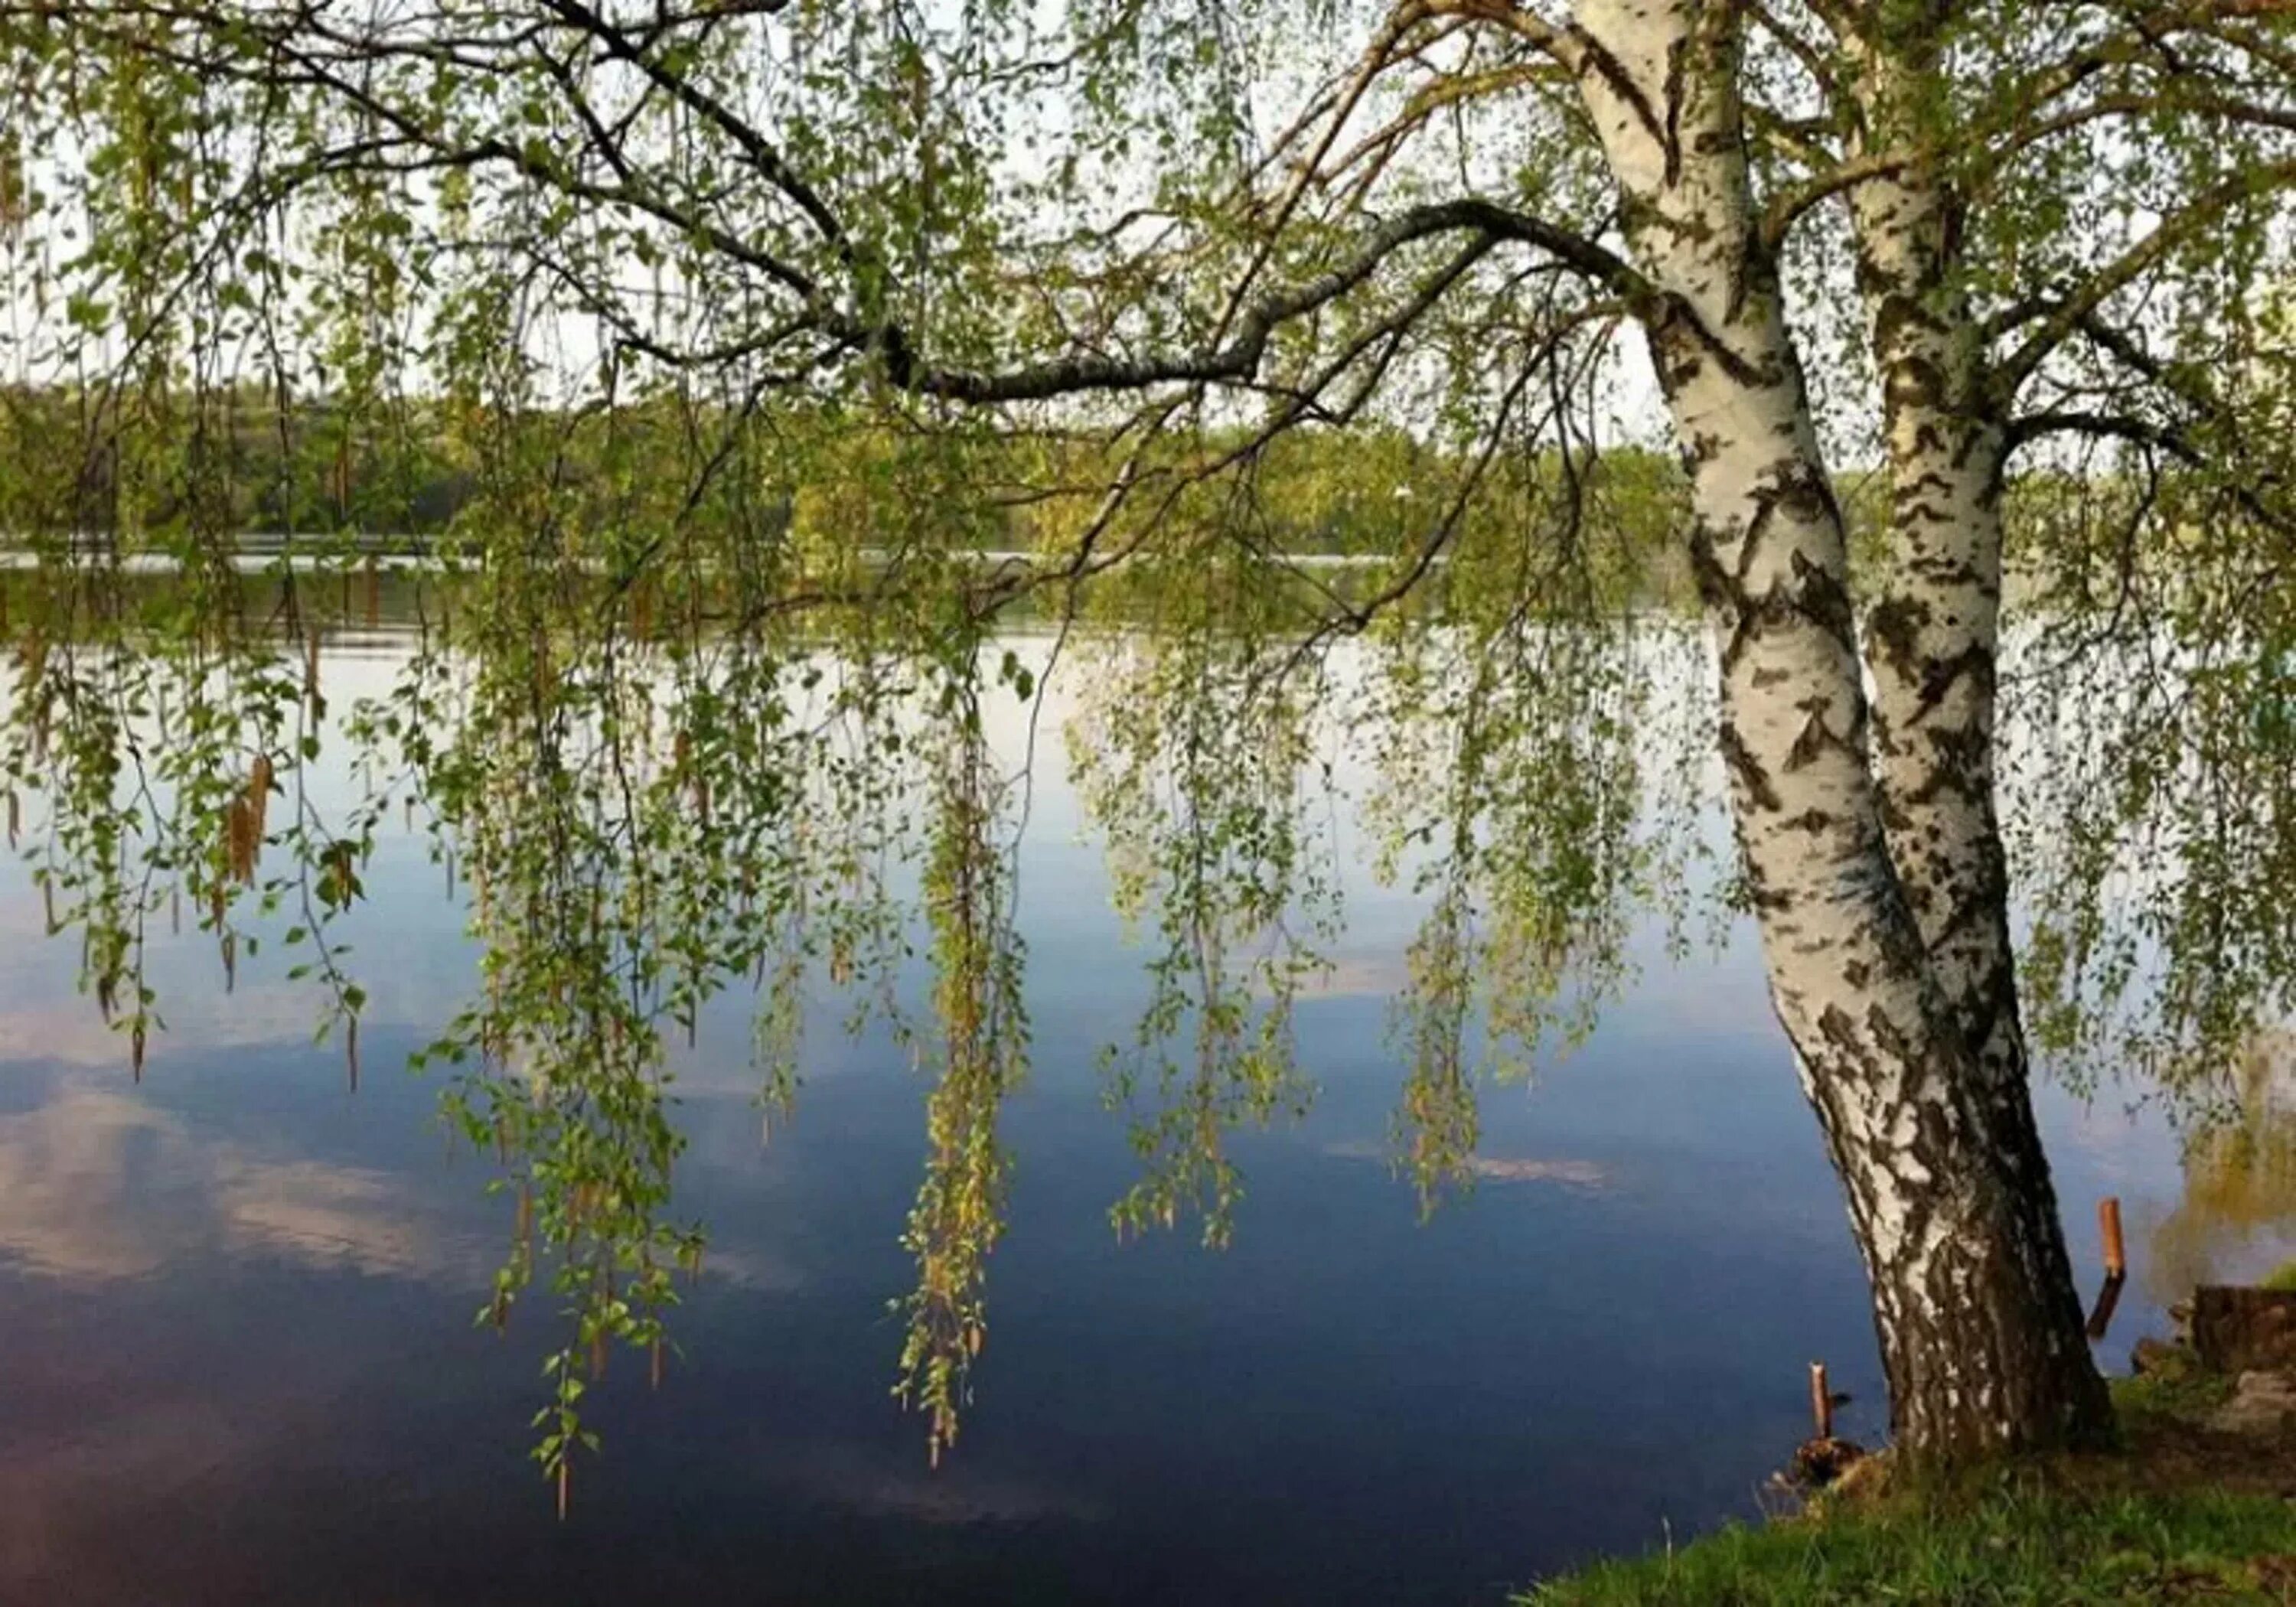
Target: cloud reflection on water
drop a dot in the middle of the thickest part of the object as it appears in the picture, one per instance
(99, 1183)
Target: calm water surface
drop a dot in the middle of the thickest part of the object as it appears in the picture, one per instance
(238, 1363)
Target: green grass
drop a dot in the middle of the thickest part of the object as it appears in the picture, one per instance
(2283, 1278)
(2016, 1545)
(2184, 1392)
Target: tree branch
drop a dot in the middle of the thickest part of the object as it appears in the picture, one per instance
(761, 152)
(2103, 426)
(1239, 358)
(1787, 207)
(2065, 314)
(1563, 45)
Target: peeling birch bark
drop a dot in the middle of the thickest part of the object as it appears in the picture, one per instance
(1975, 1340)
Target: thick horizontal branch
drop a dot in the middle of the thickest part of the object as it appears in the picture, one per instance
(1239, 358)
(2102, 426)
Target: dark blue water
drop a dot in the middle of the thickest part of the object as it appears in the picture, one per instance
(238, 1366)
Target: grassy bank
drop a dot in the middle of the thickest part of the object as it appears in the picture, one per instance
(2019, 1546)
(2181, 1516)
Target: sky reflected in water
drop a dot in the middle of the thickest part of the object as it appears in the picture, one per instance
(240, 1365)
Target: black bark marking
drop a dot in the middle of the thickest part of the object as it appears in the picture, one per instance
(1960, 766)
(1812, 743)
(1974, 662)
(1594, 53)
(1974, 1301)
(1744, 271)
(1811, 593)
(1824, 599)
(1894, 627)
(1910, 495)
(1675, 329)
(1717, 588)
(1752, 778)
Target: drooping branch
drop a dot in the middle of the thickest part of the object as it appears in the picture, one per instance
(306, 51)
(2152, 439)
(2204, 405)
(761, 152)
(306, 70)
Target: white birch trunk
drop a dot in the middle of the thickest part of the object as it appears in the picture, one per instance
(1934, 634)
(1973, 1339)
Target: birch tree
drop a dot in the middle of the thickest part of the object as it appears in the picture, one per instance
(1131, 244)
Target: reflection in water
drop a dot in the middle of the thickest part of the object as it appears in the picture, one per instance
(619, 891)
(1501, 1168)
(2237, 1215)
(640, 808)
(97, 1185)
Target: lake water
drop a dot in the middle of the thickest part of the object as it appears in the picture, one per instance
(239, 1364)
